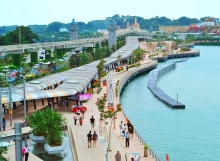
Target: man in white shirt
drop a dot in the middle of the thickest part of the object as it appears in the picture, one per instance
(120, 128)
(26, 153)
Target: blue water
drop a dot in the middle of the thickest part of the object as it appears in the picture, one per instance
(192, 134)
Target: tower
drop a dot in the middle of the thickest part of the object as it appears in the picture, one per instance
(150, 31)
(112, 33)
(127, 25)
(135, 21)
(73, 30)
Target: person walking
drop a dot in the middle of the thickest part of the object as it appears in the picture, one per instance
(123, 129)
(89, 136)
(23, 152)
(3, 123)
(83, 112)
(118, 156)
(92, 122)
(127, 137)
(81, 121)
(95, 137)
(128, 124)
(120, 128)
(75, 119)
(131, 131)
(26, 154)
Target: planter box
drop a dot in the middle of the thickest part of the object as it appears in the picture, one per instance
(54, 149)
(145, 152)
(37, 139)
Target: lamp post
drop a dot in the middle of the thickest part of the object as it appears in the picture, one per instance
(19, 35)
(1, 110)
(10, 102)
(25, 106)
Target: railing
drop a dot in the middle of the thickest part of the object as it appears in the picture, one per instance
(63, 43)
(151, 152)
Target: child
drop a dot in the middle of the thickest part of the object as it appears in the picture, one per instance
(80, 120)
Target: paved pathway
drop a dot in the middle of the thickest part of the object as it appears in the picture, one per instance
(80, 132)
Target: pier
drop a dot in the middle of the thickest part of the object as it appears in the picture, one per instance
(152, 80)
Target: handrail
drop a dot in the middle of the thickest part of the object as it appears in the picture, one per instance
(151, 152)
(63, 43)
(121, 83)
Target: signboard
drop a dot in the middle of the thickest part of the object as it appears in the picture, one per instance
(84, 97)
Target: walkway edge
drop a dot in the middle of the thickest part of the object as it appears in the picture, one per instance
(72, 143)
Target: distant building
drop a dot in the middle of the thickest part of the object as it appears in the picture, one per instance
(73, 30)
(63, 30)
(171, 29)
(112, 33)
(210, 25)
(135, 25)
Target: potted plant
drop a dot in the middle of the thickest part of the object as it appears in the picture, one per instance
(54, 133)
(36, 124)
(49, 124)
(145, 150)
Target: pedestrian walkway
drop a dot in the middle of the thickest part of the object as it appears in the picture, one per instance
(94, 153)
(80, 132)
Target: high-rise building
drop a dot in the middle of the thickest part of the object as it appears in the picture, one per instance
(112, 33)
(73, 30)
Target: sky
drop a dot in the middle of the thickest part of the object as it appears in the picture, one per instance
(29, 12)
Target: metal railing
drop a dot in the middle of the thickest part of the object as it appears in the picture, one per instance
(74, 42)
(150, 150)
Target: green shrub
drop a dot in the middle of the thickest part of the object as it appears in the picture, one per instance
(48, 123)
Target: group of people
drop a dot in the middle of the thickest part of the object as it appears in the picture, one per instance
(92, 137)
(79, 114)
(126, 131)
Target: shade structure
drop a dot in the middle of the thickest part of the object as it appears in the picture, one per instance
(74, 97)
(72, 81)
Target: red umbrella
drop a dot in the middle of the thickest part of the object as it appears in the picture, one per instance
(75, 109)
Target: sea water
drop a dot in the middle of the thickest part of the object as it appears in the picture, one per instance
(192, 134)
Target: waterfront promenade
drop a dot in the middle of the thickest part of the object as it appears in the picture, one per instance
(79, 133)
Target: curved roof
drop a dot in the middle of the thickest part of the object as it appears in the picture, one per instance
(69, 82)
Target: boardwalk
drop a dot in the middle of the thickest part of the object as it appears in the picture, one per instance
(79, 143)
(78, 137)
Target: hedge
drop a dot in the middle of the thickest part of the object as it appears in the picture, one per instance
(17, 60)
(34, 57)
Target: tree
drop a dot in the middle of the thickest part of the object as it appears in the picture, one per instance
(12, 38)
(72, 61)
(89, 57)
(97, 54)
(83, 59)
(100, 68)
(48, 123)
(3, 82)
(54, 27)
(108, 51)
